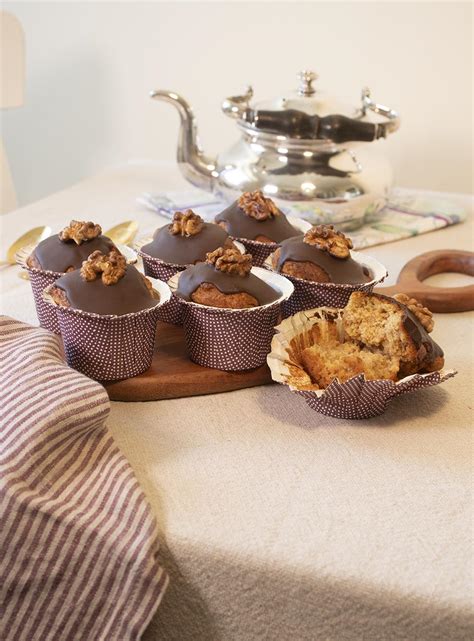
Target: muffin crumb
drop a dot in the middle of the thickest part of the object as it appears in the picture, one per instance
(230, 261)
(80, 231)
(186, 223)
(256, 205)
(112, 266)
(326, 238)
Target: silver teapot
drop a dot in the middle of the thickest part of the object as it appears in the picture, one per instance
(304, 148)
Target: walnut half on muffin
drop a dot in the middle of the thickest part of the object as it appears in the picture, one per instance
(105, 284)
(225, 280)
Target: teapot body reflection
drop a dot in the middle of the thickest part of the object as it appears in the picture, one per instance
(303, 148)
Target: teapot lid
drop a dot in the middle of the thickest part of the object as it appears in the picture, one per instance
(308, 99)
(308, 113)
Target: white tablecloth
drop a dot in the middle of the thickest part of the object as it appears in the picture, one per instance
(280, 523)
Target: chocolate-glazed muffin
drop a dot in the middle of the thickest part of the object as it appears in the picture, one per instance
(322, 255)
(225, 281)
(105, 284)
(67, 250)
(255, 217)
(186, 240)
(384, 339)
(397, 327)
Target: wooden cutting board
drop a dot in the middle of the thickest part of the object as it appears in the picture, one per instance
(173, 375)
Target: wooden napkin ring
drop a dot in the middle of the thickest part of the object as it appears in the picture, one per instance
(437, 299)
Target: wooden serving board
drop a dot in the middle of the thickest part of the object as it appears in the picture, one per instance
(173, 375)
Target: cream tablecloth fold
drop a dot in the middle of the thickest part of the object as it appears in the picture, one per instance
(78, 545)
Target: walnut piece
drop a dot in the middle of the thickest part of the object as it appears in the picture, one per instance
(186, 223)
(230, 261)
(112, 266)
(255, 205)
(148, 283)
(325, 237)
(80, 231)
(423, 314)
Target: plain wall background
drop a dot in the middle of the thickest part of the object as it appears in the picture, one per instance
(90, 67)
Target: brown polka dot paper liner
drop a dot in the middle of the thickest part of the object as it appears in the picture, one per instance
(232, 339)
(309, 295)
(109, 347)
(40, 279)
(156, 268)
(261, 251)
(355, 399)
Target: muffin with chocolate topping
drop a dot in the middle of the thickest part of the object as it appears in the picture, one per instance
(225, 280)
(107, 313)
(229, 309)
(255, 220)
(381, 337)
(105, 284)
(59, 254)
(350, 362)
(66, 251)
(398, 328)
(322, 255)
(186, 240)
(323, 269)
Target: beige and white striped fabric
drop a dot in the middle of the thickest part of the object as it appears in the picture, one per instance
(78, 546)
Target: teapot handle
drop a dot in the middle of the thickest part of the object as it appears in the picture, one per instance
(381, 128)
(238, 106)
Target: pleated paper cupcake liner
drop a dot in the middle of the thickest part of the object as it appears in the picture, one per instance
(357, 398)
(309, 295)
(42, 278)
(261, 251)
(232, 339)
(156, 268)
(109, 347)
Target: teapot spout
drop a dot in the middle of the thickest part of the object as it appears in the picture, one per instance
(195, 166)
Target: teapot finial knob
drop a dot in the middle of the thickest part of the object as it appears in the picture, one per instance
(306, 79)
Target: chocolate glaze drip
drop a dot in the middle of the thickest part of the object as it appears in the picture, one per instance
(56, 255)
(185, 250)
(129, 294)
(339, 271)
(239, 225)
(415, 330)
(226, 283)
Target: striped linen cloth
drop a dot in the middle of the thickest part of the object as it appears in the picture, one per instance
(78, 545)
